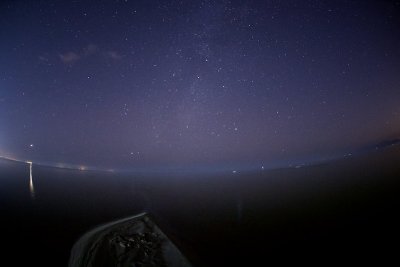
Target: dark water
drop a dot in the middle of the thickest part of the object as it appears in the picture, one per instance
(337, 212)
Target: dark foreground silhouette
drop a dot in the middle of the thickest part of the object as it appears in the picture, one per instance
(133, 241)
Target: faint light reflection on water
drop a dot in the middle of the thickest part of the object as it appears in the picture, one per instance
(31, 187)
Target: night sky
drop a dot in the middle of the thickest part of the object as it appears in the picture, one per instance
(157, 85)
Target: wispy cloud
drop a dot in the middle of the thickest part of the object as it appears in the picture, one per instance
(113, 55)
(69, 57)
(43, 59)
(90, 50)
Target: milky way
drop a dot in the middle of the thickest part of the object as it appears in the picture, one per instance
(196, 84)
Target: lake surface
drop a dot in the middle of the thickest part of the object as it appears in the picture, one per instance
(342, 210)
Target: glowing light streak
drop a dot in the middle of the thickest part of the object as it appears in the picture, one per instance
(31, 187)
